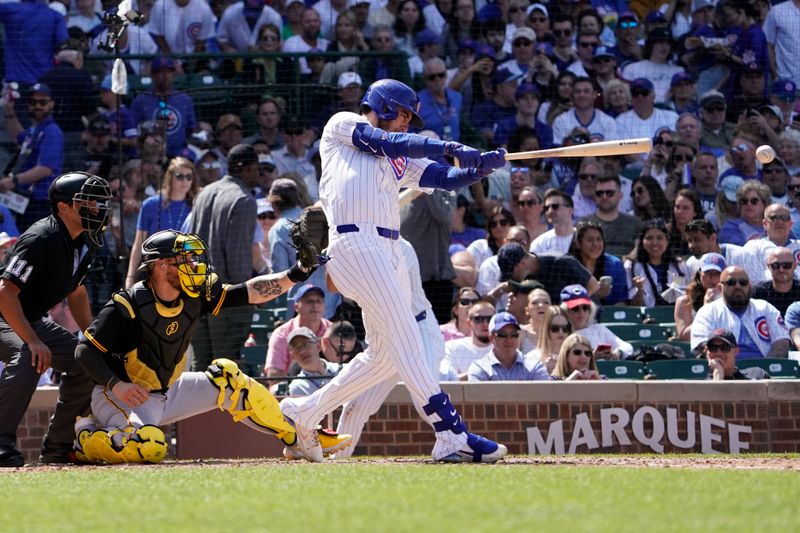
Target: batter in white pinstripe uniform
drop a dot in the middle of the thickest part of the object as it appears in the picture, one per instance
(356, 413)
(366, 159)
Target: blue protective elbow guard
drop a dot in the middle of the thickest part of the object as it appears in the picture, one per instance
(370, 139)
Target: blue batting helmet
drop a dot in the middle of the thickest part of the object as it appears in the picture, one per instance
(387, 97)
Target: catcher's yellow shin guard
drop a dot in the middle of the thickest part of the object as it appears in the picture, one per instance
(146, 444)
(258, 404)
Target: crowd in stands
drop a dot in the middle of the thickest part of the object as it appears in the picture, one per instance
(518, 268)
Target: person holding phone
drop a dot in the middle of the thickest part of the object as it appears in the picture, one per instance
(582, 312)
(589, 248)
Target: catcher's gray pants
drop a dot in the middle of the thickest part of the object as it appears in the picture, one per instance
(191, 394)
(19, 379)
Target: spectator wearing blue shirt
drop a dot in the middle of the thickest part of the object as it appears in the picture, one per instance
(172, 111)
(505, 362)
(486, 115)
(440, 106)
(588, 247)
(41, 154)
(33, 33)
(527, 98)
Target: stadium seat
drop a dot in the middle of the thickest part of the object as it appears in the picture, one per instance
(645, 332)
(620, 369)
(685, 346)
(678, 369)
(777, 368)
(254, 359)
(661, 314)
(620, 315)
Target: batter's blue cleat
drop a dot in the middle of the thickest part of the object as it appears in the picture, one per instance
(478, 450)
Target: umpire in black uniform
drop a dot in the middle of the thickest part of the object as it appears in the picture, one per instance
(47, 264)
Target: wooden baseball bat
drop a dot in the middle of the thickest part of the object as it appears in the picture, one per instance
(620, 147)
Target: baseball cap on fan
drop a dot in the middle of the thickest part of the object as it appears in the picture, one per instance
(712, 261)
(346, 79)
(508, 257)
(730, 185)
(723, 335)
(241, 156)
(40, 88)
(575, 295)
(305, 289)
(302, 332)
(501, 320)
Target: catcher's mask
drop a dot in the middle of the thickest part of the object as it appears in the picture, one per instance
(190, 253)
(90, 194)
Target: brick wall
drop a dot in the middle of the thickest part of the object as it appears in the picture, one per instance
(505, 412)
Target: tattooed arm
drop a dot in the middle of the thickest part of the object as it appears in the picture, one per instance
(265, 288)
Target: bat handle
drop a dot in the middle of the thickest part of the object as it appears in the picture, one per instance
(456, 162)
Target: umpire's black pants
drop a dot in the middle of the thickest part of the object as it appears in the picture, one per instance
(19, 379)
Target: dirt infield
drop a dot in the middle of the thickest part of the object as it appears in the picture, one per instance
(759, 462)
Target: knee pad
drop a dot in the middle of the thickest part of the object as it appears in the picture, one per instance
(258, 405)
(129, 445)
(450, 420)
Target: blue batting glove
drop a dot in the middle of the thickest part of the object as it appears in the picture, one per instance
(491, 161)
(467, 157)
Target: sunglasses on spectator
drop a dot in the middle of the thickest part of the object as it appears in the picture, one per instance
(269, 215)
(585, 44)
(38, 101)
(539, 20)
(628, 24)
(773, 170)
(555, 328)
(579, 139)
(724, 348)
(659, 140)
(795, 187)
(554, 207)
(183, 177)
(637, 93)
(778, 265)
(522, 42)
(293, 132)
(584, 308)
(587, 353)
(609, 193)
(266, 168)
(741, 147)
(519, 169)
(715, 108)
(752, 201)
(683, 157)
(481, 318)
(210, 165)
(382, 39)
(269, 38)
(528, 203)
(787, 99)
(468, 301)
(502, 222)
(731, 282)
(514, 335)
(562, 33)
(434, 75)
(590, 177)
(602, 59)
(781, 218)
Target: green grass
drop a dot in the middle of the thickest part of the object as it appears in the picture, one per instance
(356, 497)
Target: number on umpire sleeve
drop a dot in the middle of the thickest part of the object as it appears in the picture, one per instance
(17, 265)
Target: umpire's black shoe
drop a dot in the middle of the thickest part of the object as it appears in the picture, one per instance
(56, 455)
(10, 457)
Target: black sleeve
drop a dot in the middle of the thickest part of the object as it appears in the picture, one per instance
(572, 268)
(217, 295)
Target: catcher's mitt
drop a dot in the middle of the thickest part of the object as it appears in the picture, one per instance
(310, 237)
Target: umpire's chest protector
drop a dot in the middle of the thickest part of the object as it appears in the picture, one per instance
(166, 334)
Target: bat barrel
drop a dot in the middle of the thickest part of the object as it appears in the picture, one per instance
(604, 148)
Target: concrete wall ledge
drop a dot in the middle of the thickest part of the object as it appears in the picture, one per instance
(615, 391)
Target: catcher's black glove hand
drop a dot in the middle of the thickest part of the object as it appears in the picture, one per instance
(298, 274)
(310, 237)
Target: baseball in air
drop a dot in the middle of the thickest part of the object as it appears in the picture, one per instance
(765, 153)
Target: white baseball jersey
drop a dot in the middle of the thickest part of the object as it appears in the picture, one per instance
(635, 127)
(295, 43)
(755, 254)
(761, 320)
(361, 190)
(234, 30)
(549, 242)
(601, 127)
(182, 26)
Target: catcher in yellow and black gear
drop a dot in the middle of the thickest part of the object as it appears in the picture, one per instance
(135, 351)
(310, 237)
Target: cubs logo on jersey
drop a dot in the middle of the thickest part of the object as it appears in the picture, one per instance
(399, 166)
(762, 329)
